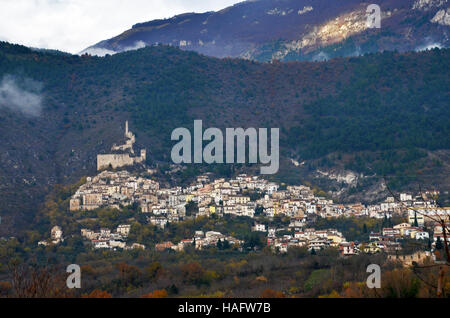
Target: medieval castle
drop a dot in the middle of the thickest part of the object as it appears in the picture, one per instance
(123, 154)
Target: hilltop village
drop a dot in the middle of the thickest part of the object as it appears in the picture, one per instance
(253, 197)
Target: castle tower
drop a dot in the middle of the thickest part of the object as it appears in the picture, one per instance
(123, 159)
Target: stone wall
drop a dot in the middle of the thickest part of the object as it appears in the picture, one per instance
(117, 160)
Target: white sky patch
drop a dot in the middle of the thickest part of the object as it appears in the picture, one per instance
(73, 25)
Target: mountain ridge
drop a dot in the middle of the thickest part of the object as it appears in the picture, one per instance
(265, 30)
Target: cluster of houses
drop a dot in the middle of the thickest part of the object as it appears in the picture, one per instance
(251, 196)
(243, 196)
(110, 240)
(309, 237)
(387, 241)
(113, 190)
(315, 240)
(402, 230)
(408, 231)
(200, 241)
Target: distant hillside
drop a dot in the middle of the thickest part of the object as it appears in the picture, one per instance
(286, 30)
(345, 122)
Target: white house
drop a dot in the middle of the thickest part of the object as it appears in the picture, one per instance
(259, 228)
(124, 229)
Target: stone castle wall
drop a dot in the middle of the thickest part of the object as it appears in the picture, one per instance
(121, 160)
(118, 160)
(115, 160)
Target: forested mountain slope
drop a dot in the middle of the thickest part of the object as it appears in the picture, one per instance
(381, 114)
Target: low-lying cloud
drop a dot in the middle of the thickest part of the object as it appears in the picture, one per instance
(21, 95)
(102, 52)
(428, 46)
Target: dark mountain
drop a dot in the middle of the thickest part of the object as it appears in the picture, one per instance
(286, 30)
(347, 122)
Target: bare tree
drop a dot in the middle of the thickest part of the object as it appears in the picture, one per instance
(38, 282)
(445, 229)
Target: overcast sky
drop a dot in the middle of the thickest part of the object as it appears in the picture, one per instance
(73, 25)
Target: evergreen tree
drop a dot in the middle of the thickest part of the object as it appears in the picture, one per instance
(226, 245)
(439, 245)
(415, 219)
(385, 221)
